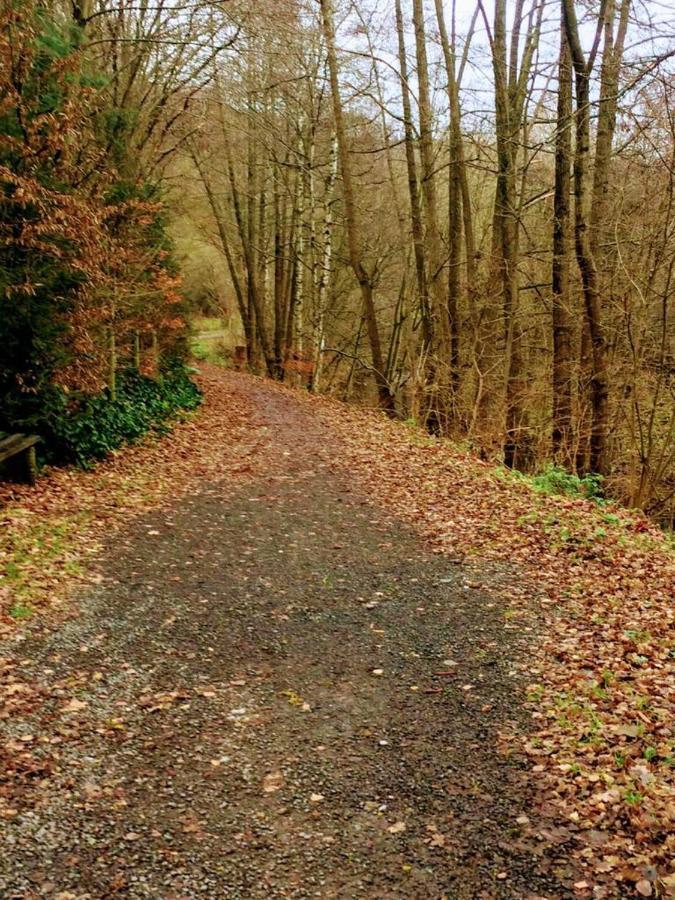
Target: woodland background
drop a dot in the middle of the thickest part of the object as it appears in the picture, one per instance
(461, 212)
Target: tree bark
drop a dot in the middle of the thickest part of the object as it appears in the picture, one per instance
(439, 400)
(560, 274)
(354, 238)
(599, 382)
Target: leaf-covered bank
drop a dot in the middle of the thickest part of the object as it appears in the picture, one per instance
(602, 677)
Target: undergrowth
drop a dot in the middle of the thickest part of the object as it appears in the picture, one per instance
(83, 429)
(554, 480)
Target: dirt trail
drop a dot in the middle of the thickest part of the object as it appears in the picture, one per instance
(277, 691)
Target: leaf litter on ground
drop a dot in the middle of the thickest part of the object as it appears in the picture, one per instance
(599, 584)
(602, 671)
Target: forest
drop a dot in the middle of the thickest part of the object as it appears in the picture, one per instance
(337, 449)
(462, 213)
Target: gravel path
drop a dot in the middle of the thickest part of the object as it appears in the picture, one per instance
(277, 691)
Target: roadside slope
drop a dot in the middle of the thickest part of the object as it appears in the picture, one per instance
(602, 671)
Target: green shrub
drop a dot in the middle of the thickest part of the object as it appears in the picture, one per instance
(554, 480)
(79, 430)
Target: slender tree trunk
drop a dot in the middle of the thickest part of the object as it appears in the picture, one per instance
(506, 219)
(279, 280)
(137, 351)
(599, 386)
(255, 307)
(439, 399)
(456, 192)
(300, 247)
(112, 363)
(326, 266)
(560, 275)
(413, 188)
(606, 126)
(354, 239)
(511, 92)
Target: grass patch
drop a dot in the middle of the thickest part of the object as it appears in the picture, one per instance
(209, 351)
(36, 555)
(20, 611)
(208, 323)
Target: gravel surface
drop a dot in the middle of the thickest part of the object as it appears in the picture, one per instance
(277, 690)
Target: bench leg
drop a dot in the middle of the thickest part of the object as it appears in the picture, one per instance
(30, 466)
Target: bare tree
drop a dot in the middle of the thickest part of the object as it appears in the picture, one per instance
(363, 275)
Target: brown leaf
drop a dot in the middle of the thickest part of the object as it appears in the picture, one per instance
(272, 782)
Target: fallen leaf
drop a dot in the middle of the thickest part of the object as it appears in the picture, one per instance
(74, 705)
(272, 782)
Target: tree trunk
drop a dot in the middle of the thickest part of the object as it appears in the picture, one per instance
(279, 280)
(507, 222)
(254, 305)
(300, 246)
(599, 383)
(439, 401)
(457, 188)
(326, 266)
(354, 239)
(413, 188)
(560, 274)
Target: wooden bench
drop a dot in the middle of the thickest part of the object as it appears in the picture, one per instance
(19, 451)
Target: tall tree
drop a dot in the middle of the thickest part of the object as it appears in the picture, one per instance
(511, 66)
(364, 277)
(417, 225)
(439, 402)
(586, 245)
(560, 273)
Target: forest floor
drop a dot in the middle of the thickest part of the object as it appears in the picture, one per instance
(294, 649)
